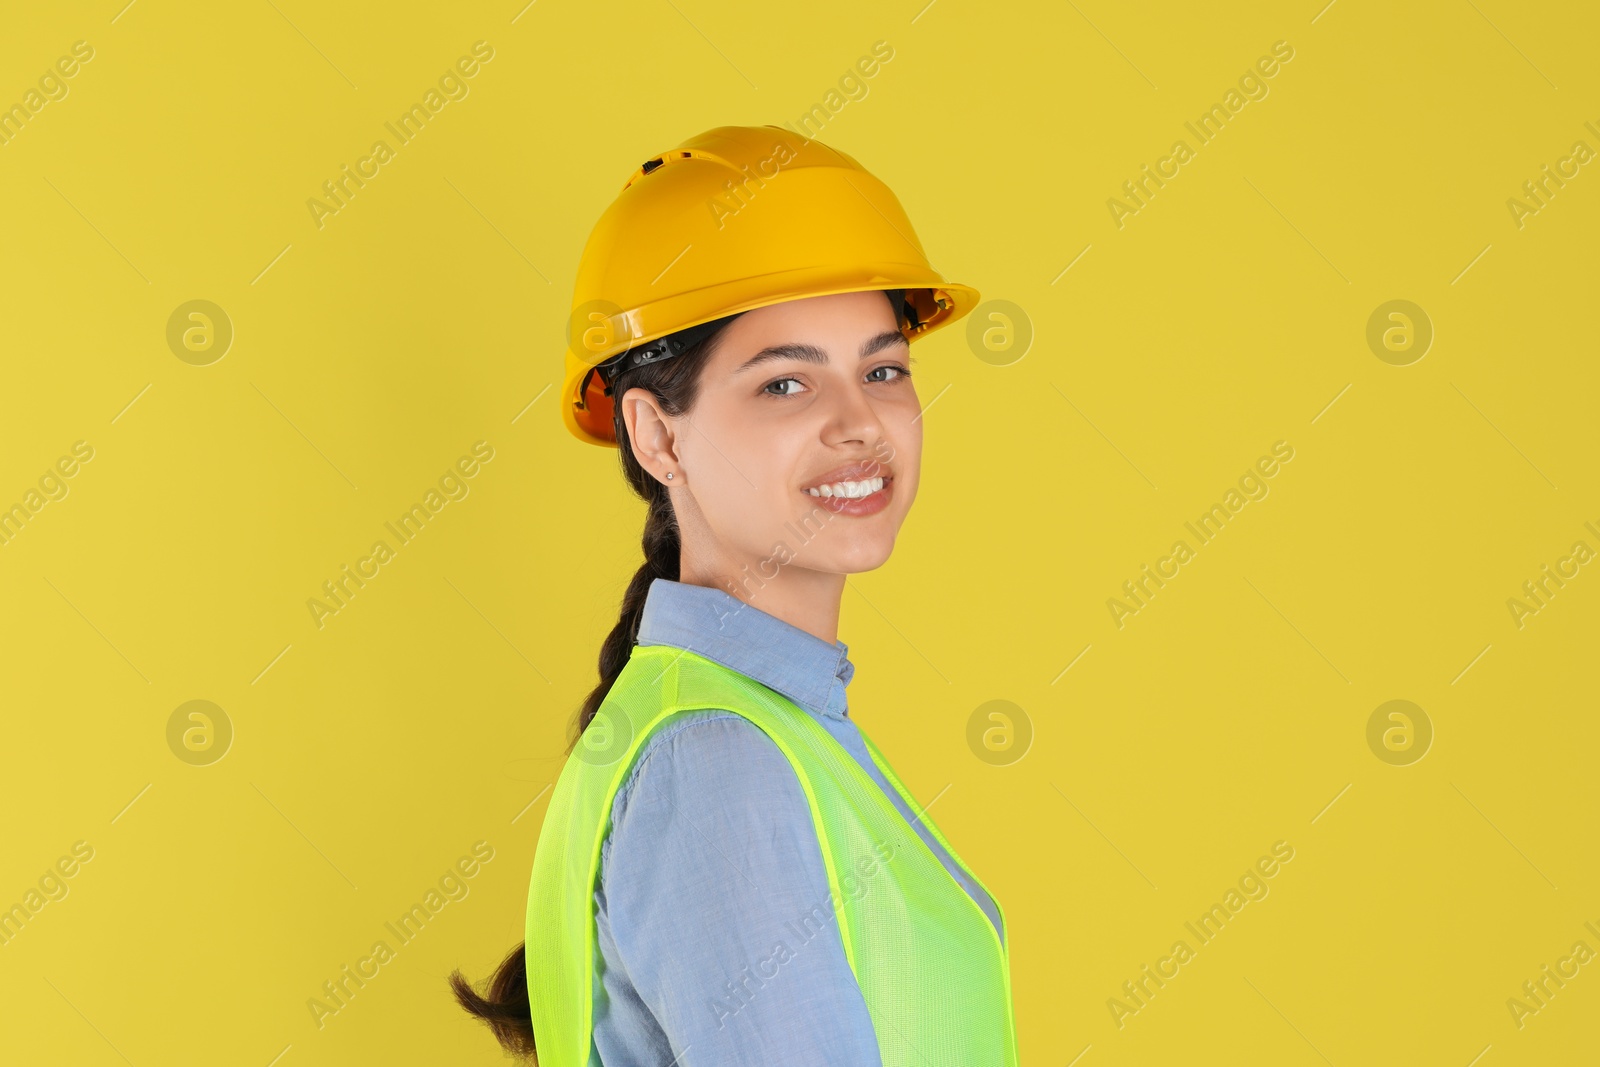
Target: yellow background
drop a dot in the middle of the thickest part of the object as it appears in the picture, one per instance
(428, 314)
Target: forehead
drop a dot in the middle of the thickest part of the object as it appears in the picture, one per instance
(838, 323)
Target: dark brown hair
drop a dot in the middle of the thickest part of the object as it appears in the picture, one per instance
(675, 383)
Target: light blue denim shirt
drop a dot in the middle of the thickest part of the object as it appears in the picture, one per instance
(702, 958)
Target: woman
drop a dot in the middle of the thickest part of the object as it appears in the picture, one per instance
(729, 871)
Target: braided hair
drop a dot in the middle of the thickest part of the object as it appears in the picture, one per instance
(675, 383)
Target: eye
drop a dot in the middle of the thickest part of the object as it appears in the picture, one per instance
(903, 372)
(780, 381)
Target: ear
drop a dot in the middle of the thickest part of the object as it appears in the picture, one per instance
(651, 433)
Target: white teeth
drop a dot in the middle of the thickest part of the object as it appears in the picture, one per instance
(852, 490)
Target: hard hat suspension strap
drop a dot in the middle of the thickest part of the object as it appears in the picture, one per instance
(675, 344)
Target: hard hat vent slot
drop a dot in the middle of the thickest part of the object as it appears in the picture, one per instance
(652, 164)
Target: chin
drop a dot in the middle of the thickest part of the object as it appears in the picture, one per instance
(864, 555)
(839, 544)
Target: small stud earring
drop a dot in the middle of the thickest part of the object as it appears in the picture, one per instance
(669, 474)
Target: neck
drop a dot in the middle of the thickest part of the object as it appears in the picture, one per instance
(805, 599)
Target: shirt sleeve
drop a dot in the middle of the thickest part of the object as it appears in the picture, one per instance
(712, 883)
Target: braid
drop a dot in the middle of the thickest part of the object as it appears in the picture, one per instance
(674, 383)
(661, 560)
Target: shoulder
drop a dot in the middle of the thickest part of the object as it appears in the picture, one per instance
(706, 783)
(702, 734)
(710, 754)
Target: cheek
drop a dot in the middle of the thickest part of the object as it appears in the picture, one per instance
(745, 483)
(735, 494)
(906, 484)
(905, 492)
(906, 458)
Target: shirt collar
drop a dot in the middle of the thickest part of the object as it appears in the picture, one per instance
(723, 628)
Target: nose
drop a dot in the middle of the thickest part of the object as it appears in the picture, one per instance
(852, 416)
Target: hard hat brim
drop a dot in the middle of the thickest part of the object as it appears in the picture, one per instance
(590, 414)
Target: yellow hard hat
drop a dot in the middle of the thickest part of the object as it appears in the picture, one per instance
(738, 218)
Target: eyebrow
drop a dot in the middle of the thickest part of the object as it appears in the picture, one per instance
(812, 354)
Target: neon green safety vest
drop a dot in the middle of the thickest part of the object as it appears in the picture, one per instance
(931, 968)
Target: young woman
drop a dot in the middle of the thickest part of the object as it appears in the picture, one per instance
(729, 871)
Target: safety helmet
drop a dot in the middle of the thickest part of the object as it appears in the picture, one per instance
(738, 218)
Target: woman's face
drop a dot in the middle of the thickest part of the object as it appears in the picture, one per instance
(809, 393)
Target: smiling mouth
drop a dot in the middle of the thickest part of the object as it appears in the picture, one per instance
(860, 497)
(850, 489)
